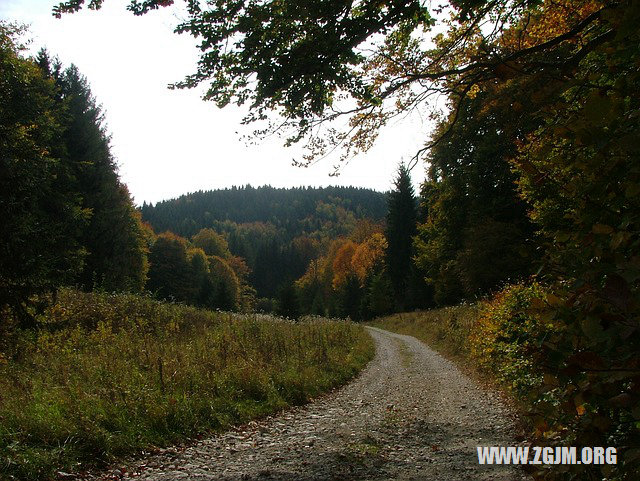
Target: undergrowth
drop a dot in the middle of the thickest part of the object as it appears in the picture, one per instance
(108, 375)
(508, 339)
(446, 329)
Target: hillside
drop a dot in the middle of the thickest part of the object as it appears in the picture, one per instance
(277, 231)
(300, 210)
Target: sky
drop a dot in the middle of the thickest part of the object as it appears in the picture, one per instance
(171, 142)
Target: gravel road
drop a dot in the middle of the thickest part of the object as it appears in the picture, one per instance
(410, 415)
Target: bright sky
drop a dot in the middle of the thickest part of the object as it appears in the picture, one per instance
(170, 142)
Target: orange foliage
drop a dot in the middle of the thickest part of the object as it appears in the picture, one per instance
(551, 19)
(342, 263)
(367, 255)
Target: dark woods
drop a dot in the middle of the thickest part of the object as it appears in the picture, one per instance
(66, 217)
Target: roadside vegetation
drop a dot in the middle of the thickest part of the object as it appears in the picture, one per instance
(446, 329)
(499, 338)
(112, 374)
(502, 340)
(532, 195)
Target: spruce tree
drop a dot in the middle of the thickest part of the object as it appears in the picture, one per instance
(401, 227)
(40, 217)
(113, 239)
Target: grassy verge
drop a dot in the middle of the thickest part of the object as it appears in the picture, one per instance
(113, 374)
(498, 339)
(447, 329)
(567, 395)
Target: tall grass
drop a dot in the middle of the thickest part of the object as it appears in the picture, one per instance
(499, 338)
(112, 374)
(446, 329)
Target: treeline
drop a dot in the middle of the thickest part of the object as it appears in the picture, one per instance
(292, 211)
(474, 233)
(369, 272)
(535, 171)
(336, 251)
(68, 220)
(464, 236)
(276, 231)
(71, 221)
(66, 217)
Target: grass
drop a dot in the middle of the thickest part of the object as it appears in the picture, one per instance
(447, 329)
(110, 375)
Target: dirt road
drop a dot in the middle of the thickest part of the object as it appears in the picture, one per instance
(410, 415)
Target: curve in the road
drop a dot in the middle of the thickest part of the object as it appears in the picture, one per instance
(410, 415)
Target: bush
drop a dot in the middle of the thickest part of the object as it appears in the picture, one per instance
(507, 337)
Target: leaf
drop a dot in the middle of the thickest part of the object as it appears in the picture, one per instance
(537, 303)
(550, 380)
(586, 360)
(623, 400)
(632, 455)
(598, 108)
(553, 300)
(602, 423)
(632, 190)
(601, 229)
(618, 292)
(592, 328)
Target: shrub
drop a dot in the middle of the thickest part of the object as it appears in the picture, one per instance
(507, 337)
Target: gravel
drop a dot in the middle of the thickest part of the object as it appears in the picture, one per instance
(410, 415)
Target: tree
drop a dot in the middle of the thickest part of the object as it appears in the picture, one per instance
(369, 257)
(371, 61)
(113, 239)
(288, 304)
(579, 171)
(573, 65)
(170, 274)
(342, 267)
(401, 227)
(212, 243)
(475, 234)
(41, 214)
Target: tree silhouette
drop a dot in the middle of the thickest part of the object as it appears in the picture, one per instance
(401, 227)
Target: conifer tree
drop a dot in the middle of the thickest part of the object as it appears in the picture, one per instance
(113, 238)
(40, 215)
(401, 227)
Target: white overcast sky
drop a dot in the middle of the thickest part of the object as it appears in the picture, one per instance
(170, 142)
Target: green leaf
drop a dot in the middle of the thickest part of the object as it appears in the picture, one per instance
(598, 108)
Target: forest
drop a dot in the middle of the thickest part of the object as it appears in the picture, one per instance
(530, 213)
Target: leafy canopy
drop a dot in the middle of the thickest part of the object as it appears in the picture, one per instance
(313, 61)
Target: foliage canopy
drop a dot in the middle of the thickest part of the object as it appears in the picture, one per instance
(369, 62)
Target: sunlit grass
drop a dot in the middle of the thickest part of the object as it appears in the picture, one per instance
(446, 329)
(113, 374)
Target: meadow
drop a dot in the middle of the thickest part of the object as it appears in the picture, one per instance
(109, 375)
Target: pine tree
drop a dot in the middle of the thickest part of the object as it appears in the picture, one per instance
(401, 227)
(40, 217)
(113, 239)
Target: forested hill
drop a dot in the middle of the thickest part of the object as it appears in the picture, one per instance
(276, 231)
(300, 210)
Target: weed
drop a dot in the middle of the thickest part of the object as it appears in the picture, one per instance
(110, 375)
